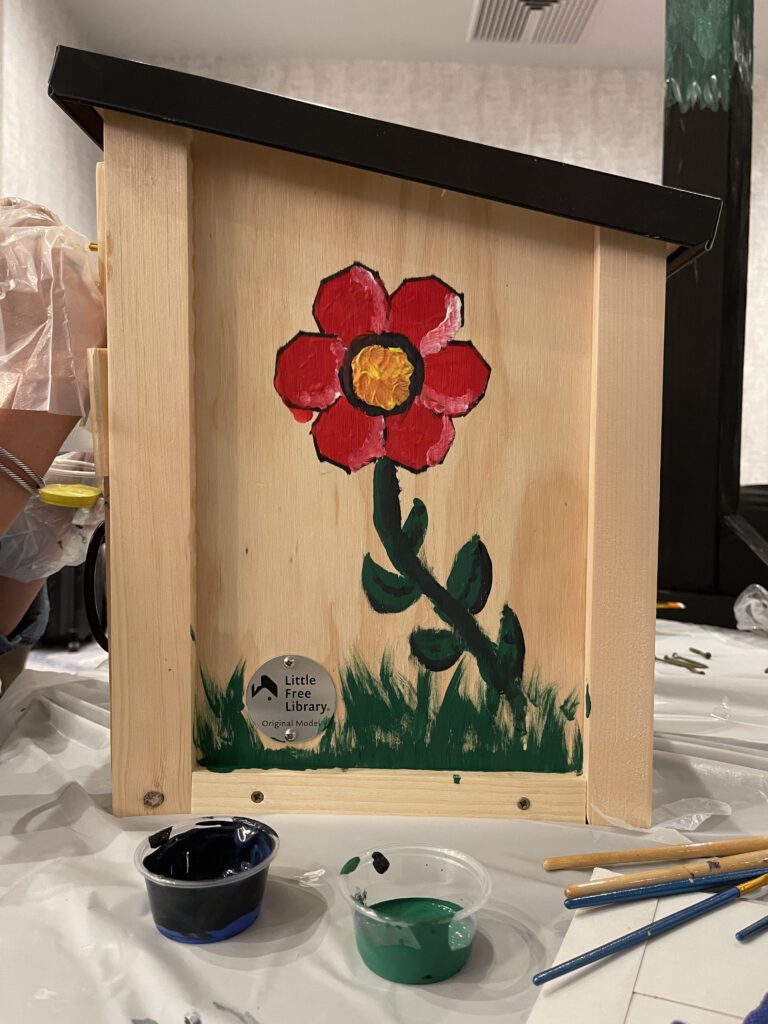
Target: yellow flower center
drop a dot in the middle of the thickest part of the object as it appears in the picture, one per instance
(382, 376)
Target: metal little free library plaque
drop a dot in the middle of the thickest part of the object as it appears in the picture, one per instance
(291, 698)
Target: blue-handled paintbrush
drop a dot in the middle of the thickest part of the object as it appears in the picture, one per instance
(650, 931)
(753, 929)
(652, 892)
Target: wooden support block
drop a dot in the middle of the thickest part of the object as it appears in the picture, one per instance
(99, 421)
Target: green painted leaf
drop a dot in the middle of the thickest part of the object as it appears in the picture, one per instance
(387, 591)
(471, 576)
(436, 649)
(511, 646)
(415, 526)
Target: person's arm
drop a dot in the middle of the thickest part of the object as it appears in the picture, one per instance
(15, 601)
(35, 438)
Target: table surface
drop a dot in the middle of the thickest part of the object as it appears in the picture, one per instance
(77, 942)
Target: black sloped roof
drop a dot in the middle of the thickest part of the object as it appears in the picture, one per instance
(82, 82)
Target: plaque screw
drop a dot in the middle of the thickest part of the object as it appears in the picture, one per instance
(288, 662)
(524, 803)
(153, 798)
(257, 796)
(290, 734)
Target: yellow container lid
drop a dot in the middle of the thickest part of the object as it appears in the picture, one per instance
(69, 495)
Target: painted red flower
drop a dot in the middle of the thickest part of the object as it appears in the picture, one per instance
(385, 375)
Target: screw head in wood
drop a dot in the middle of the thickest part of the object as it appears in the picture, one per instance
(524, 803)
(153, 798)
(290, 734)
(289, 662)
(257, 796)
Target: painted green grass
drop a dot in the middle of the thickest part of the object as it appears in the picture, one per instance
(389, 723)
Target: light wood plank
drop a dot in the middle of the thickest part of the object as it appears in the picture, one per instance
(99, 417)
(152, 604)
(623, 525)
(281, 536)
(362, 791)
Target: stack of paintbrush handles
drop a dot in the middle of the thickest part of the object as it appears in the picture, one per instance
(728, 867)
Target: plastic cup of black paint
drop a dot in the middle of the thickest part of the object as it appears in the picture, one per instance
(413, 909)
(206, 880)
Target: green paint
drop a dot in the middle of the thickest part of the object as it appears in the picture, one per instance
(500, 664)
(569, 706)
(415, 941)
(457, 780)
(350, 866)
(587, 703)
(390, 723)
(708, 45)
(192, 634)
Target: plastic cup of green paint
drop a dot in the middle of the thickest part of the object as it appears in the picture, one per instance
(413, 909)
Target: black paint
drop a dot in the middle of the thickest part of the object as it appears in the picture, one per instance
(380, 863)
(82, 82)
(386, 340)
(232, 850)
(160, 837)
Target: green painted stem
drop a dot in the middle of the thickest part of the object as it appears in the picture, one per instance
(388, 519)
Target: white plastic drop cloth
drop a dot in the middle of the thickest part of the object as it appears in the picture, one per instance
(77, 943)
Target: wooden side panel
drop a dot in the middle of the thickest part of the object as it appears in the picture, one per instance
(441, 794)
(282, 536)
(97, 358)
(152, 602)
(101, 224)
(623, 526)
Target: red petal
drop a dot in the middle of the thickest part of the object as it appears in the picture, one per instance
(427, 312)
(418, 438)
(455, 379)
(351, 303)
(348, 437)
(307, 371)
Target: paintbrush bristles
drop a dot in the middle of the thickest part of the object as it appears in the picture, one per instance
(693, 869)
(646, 855)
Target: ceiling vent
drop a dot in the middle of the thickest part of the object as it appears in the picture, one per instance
(531, 21)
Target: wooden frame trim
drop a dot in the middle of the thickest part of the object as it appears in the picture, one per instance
(625, 433)
(148, 193)
(520, 795)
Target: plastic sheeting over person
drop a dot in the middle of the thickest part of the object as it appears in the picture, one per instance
(51, 311)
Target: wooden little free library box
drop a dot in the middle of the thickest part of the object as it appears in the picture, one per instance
(382, 462)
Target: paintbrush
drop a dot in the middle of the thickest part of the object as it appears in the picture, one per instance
(651, 931)
(692, 869)
(753, 929)
(645, 854)
(652, 892)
